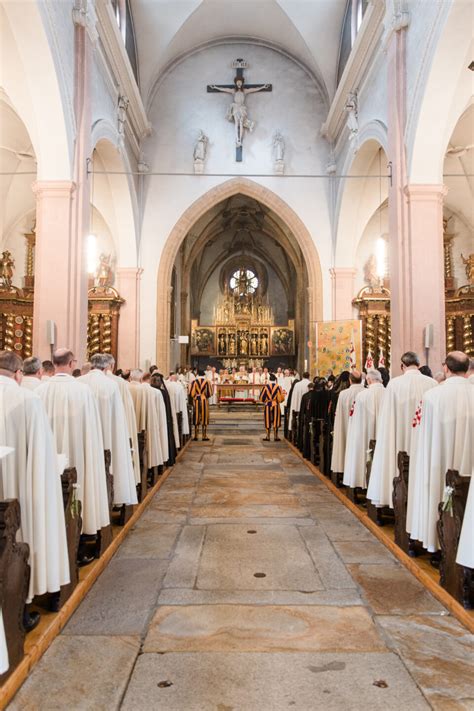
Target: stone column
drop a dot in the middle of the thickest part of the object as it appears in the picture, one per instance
(415, 226)
(128, 286)
(59, 292)
(342, 279)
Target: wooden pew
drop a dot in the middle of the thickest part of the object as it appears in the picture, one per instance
(14, 582)
(73, 519)
(456, 579)
(378, 514)
(400, 505)
(104, 536)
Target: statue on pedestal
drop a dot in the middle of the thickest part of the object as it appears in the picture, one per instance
(200, 152)
(278, 146)
(7, 264)
(104, 276)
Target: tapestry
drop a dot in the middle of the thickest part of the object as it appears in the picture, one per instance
(338, 346)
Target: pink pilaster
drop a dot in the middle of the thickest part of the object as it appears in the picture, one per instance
(60, 295)
(342, 281)
(128, 286)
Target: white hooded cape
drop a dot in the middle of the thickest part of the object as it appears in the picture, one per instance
(32, 475)
(465, 554)
(115, 434)
(131, 421)
(446, 441)
(345, 402)
(74, 418)
(299, 390)
(179, 397)
(362, 428)
(402, 396)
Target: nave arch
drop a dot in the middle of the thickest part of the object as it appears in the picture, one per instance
(193, 213)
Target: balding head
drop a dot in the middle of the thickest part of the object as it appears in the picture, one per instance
(11, 365)
(355, 377)
(64, 361)
(86, 368)
(456, 363)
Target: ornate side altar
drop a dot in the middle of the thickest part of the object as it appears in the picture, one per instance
(244, 332)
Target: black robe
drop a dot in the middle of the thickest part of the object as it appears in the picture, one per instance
(169, 425)
(288, 409)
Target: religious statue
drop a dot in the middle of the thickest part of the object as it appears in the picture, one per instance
(222, 348)
(370, 273)
(237, 111)
(254, 344)
(200, 151)
(352, 115)
(263, 344)
(232, 345)
(469, 262)
(278, 146)
(122, 107)
(244, 344)
(104, 276)
(7, 264)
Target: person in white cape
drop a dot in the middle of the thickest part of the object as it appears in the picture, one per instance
(32, 475)
(157, 405)
(300, 389)
(345, 403)
(178, 396)
(402, 396)
(362, 428)
(446, 437)
(32, 373)
(74, 418)
(285, 382)
(470, 373)
(465, 554)
(114, 429)
(130, 416)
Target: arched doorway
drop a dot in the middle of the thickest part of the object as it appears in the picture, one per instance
(297, 233)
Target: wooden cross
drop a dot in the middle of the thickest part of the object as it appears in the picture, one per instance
(237, 112)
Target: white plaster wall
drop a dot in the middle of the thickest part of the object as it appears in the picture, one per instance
(182, 107)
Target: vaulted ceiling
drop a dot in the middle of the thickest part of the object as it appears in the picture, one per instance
(308, 30)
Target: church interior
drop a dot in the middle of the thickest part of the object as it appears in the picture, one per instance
(236, 354)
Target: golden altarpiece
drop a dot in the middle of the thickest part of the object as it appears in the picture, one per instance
(244, 331)
(373, 305)
(16, 307)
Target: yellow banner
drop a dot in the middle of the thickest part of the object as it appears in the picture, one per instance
(338, 346)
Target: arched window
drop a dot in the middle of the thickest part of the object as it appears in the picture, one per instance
(355, 11)
(123, 16)
(245, 281)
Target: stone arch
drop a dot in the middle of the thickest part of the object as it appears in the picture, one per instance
(194, 212)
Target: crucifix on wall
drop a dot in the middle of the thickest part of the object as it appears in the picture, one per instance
(237, 111)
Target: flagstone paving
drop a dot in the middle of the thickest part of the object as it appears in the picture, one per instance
(247, 586)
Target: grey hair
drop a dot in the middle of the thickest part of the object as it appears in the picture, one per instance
(110, 358)
(100, 361)
(32, 365)
(374, 375)
(136, 375)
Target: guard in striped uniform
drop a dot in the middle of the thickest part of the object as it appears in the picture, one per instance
(200, 390)
(272, 395)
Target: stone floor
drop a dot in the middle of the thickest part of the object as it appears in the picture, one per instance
(247, 586)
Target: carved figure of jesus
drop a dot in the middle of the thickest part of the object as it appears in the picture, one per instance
(237, 111)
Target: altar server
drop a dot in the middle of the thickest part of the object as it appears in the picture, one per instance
(32, 475)
(344, 407)
(74, 418)
(362, 428)
(200, 391)
(114, 429)
(129, 413)
(402, 397)
(446, 437)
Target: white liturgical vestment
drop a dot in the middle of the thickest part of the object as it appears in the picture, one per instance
(446, 441)
(465, 554)
(344, 406)
(159, 430)
(32, 475)
(131, 421)
(4, 663)
(300, 389)
(178, 398)
(402, 396)
(115, 434)
(74, 418)
(30, 382)
(362, 428)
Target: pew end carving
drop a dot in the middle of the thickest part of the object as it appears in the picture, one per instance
(14, 582)
(456, 579)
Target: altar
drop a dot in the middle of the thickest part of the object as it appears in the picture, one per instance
(243, 332)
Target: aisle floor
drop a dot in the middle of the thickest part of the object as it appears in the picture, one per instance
(247, 586)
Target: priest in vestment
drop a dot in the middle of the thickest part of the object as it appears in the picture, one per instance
(32, 475)
(114, 429)
(74, 418)
(129, 413)
(465, 555)
(157, 384)
(345, 404)
(200, 391)
(299, 390)
(402, 396)
(446, 441)
(362, 428)
(151, 418)
(32, 373)
(179, 396)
